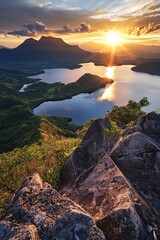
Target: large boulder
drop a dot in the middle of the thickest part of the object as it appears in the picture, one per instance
(137, 153)
(118, 209)
(148, 124)
(82, 161)
(37, 211)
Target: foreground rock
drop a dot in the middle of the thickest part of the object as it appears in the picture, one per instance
(81, 163)
(148, 124)
(39, 212)
(118, 209)
(137, 153)
(120, 197)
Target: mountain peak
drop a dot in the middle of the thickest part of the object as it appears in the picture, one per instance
(44, 43)
(46, 49)
(52, 41)
(49, 38)
(28, 42)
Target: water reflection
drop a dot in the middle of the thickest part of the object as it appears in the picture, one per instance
(107, 93)
(80, 108)
(110, 72)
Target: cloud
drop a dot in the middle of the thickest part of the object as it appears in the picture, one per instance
(14, 13)
(65, 29)
(100, 15)
(2, 33)
(31, 29)
(38, 28)
(43, 4)
(142, 30)
(152, 28)
(151, 7)
(136, 31)
(82, 28)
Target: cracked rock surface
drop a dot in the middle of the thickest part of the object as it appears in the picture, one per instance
(37, 211)
(137, 154)
(114, 197)
(83, 160)
(119, 211)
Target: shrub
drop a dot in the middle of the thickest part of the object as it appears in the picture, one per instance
(113, 130)
(123, 115)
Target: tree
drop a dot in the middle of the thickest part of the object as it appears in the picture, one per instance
(123, 115)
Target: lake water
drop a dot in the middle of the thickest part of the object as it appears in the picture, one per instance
(81, 108)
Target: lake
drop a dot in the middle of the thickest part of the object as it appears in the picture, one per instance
(81, 108)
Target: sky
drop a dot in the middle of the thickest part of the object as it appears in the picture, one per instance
(79, 21)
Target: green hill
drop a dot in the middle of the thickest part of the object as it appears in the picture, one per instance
(31, 143)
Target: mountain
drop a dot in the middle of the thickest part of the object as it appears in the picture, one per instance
(149, 67)
(134, 50)
(48, 52)
(95, 47)
(47, 49)
(108, 190)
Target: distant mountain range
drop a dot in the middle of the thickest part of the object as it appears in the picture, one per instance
(47, 49)
(50, 52)
(135, 50)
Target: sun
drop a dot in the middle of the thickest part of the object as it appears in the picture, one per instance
(114, 38)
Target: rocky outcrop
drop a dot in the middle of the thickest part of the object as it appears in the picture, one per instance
(149, 124)
(37, 211)
(113, 197)
(123, 204)
(82, 161)
(120, 212)
(10, 230)
(137, 153)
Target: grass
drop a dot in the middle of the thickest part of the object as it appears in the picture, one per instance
(44, 157)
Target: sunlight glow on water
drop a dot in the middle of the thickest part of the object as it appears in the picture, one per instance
(110, 72)
(107, 94)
